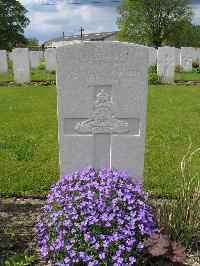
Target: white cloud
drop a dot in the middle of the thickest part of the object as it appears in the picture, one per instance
(50, 21)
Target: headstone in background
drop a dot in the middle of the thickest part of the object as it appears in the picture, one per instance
(34, 59)
(41, 54)
(21, 65)
(152, 56)
(102, 100)
(166, 63)
(50, 59)
(3, 62)
(178, 56)
(186, 58)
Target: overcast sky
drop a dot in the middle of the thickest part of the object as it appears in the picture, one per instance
(50, 21)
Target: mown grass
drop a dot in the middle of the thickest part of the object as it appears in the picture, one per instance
(35, 74)
(187, 76)
(29, 146)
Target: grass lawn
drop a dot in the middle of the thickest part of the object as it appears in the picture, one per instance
(187, 76)
(35, 74)
(29, 147)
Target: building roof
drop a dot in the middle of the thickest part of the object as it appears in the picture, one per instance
(86, 37)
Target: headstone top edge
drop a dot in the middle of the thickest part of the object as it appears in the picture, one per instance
(101, 43)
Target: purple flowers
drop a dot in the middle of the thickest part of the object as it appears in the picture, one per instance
(94, 218)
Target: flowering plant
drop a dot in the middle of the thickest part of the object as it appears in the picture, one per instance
(94, 218)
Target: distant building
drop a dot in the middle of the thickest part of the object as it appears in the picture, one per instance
(102, 36)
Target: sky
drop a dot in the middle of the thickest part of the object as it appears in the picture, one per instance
(50, 21)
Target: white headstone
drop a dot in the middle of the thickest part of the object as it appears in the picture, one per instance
(152, 56)
(3, 62)
(166, 63)
(178, 56)
(102, 99)
(21, 65)
(50, 58)
(41, 53)
(186, 58)
(34, 59)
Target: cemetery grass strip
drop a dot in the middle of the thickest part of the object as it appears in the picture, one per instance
(187, 76)
(29, 146)
(35, 74)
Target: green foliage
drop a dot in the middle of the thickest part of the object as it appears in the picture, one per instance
(184, 33)
(53, 72)
(150, 22)
(153, 69)
(154, 79)
(180, 218)
(13, 20)
(21, 259)
(32, 42)
(196, 70)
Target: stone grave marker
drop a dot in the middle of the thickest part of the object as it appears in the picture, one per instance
(178, 56)
(50, 59)
(21, 65)
(186, 58)
(102, 100)
(3, 62)
(34, 59)
(152, 56)
(166, 63)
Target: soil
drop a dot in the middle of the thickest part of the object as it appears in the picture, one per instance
(16, 224)
(36, 82)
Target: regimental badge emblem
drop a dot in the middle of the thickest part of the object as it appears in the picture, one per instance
(103, 120)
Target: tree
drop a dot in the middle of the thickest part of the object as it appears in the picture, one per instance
(32, 42)
(13, 21)
(151, 22)
(186, 35)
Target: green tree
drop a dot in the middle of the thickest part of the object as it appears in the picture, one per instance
(186, 35)
(13, 21)
(32, 42)
(151, 22)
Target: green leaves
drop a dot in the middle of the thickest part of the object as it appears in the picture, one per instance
(150, 22)
(13, 20)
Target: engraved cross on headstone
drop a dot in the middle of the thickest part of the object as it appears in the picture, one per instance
(187, 60)
(102, 124)
(167, 65)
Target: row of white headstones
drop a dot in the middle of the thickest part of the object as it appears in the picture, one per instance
(166, 58)
(102, 101)
(23, 60)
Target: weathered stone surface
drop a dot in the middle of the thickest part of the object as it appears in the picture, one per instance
(21, 65)
(178, 56)
(166, 63)
(3, 62)
(186, 58)
(35, 58)
(102, 94)
(152, 56)
(50, 58)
